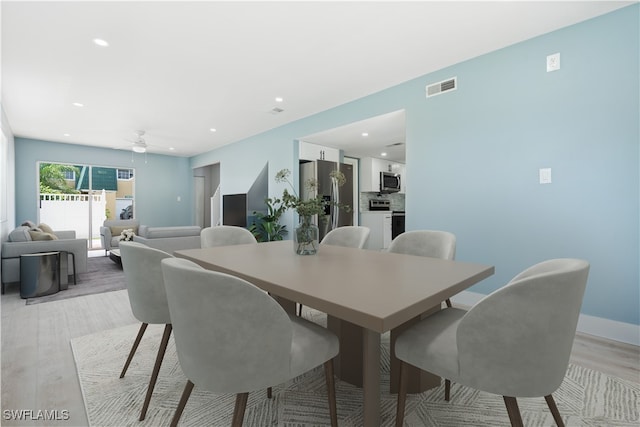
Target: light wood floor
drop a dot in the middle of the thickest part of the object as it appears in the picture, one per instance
(38, 370)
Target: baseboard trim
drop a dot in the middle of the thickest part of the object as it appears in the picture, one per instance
(592, 325)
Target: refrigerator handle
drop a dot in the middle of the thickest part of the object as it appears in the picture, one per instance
(335, 197)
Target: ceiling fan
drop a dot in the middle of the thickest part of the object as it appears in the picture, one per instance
(139, 145)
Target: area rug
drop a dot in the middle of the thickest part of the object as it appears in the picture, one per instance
(586, 397)
(103, 275)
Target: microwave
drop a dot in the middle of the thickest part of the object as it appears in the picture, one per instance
(389, 182)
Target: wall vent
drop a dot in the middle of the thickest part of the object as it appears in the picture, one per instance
(442, 87)
(276, 110)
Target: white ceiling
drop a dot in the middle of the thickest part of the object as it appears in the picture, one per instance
(177, 69)
(384, 134)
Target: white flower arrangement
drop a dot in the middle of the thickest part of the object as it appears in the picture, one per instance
(127, 235)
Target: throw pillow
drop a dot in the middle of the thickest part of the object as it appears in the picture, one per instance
(44, 227)
(41, 235)
(20, 234)
(29, 224)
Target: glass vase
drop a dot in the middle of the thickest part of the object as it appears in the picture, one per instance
(305, 238)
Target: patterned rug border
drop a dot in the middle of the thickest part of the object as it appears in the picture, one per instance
(586, 397)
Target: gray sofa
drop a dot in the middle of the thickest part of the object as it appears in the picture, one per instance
(21, 242)
(169, 239)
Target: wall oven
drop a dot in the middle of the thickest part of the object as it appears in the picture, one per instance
(397, 223)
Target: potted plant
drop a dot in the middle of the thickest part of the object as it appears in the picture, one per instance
(306, 234)
(267, 227)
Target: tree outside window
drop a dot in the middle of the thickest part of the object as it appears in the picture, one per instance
(53, 179)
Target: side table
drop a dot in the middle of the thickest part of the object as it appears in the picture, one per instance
(114, 255)
(39, 274)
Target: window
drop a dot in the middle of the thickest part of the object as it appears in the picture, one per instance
(125, 174)
(82, 197)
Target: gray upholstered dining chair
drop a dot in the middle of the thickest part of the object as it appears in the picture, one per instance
(349, 236)
(232, 337)
(427, 243)
(148, 300)
(225, 235)
(515, 342)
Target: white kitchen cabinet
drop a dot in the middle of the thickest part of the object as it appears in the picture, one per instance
(403, 177)
(380, 225)
(370, 168)
(309, 151)
(370, 174)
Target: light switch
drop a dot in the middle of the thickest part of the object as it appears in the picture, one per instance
(545, 175)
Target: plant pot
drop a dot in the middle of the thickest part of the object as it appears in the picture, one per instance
(305, 238)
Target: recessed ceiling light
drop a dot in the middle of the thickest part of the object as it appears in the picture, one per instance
(383, 154)
(66, 134)
(171, 148)
(365, 134)
(101, 42)
(213, 129)
(78, 104)
(279, 99)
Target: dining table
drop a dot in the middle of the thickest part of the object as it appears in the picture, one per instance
(364, 293)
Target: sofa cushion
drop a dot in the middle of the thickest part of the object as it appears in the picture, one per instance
(20, 234)
(44, 227)
(164, 232)
(37, 235)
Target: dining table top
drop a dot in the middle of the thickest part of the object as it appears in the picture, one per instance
(375, 290)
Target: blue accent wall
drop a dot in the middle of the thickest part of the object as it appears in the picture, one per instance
(473, 156)
(158, 182)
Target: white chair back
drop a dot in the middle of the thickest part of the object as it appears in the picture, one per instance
(350, 236)
(429, 243)
(225, 235)
(517, 340)
(145, 284)
(231, 337)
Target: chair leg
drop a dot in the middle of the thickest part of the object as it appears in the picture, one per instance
(269, 393)
(447, 389)
(554, 410)
(514, 413)
(299, 310)
(183, 402)
(156, 369)
(238, 412)
(402, 394)
(331, 392)
(143, 327)
(448, 302)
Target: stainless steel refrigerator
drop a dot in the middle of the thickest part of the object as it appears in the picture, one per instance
(320, 170)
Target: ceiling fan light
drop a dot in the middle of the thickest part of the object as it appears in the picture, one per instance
(139, 149)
